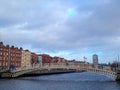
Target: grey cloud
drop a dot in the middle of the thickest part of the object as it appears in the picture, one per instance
(36, 13)
(4, 22)
(94, 28)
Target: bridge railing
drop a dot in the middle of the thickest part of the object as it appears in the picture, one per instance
(25, 68)
(63, 66)
(108, 73)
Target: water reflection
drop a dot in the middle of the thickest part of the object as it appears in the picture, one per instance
(71, 81)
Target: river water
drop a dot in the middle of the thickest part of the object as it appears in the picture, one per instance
(69, 81)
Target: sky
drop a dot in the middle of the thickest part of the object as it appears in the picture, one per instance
(67, 28)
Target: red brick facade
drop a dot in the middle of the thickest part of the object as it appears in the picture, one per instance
(34, 58)
(13, 56)
(58, 60)
(46, 58)
(10, 56)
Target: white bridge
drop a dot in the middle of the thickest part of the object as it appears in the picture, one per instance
(58, 68)
(110, 74)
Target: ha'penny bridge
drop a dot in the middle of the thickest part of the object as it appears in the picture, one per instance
(57, 69)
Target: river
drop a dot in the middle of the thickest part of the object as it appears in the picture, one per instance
(69, 81)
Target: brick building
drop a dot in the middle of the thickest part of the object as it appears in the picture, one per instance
(58, 60)
(15, 56)
(46, 58)
(10, 56)
(4, 55)
(34, 58)
(55, 59)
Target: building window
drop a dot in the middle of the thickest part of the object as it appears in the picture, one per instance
(6, 63)
(3, 63)
(6, 53)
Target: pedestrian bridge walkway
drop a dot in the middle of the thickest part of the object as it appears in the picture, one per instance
(110, 74)
(21, 71)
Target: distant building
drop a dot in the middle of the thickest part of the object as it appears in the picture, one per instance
(34, 58)
(115, 65)
(95, 59)
(26, 58)
(10, 56)
(15, 56)
(59, 60)
(45, 58)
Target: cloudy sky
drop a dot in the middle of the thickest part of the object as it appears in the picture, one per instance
(68, 28)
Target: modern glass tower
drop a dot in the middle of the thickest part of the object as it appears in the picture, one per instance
(95, 59)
